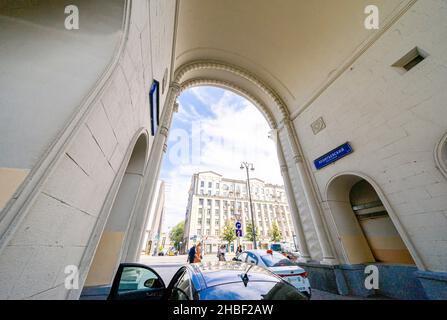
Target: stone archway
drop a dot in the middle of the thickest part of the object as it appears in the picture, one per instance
(294, 168)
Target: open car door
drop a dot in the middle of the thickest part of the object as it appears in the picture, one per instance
(136, 282)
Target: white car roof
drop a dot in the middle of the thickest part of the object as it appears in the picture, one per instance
(260, 252)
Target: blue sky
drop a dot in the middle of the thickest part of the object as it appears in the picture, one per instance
(214, 129)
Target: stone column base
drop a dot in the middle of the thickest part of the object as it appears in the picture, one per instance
(434, 284)
(395, 281)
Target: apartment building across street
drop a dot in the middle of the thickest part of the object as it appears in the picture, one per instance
(214, 200)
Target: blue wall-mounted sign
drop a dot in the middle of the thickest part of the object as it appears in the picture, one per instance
(238, 225)
(333, 156)
(154, 102)
(239, 233)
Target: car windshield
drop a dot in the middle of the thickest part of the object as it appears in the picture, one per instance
(276, 260)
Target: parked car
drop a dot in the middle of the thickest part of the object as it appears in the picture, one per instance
(172, 252)
(279, 265)
(208, 281)
(286, 250)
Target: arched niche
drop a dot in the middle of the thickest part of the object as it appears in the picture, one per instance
(441, 155)
(364, 222)
(110, 248)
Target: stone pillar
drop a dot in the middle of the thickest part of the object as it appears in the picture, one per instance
(305, 256)
(328, 254)
(151, 175)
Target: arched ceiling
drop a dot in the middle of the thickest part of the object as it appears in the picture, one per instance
(294, 46)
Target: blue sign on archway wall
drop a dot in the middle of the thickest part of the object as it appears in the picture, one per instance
(333, 156)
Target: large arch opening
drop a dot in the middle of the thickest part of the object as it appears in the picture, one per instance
(110, 249)
(214, 193)
(363, 223)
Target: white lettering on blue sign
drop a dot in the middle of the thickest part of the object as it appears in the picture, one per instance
(333, 156)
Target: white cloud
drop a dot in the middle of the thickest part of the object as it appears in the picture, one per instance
(237, 132)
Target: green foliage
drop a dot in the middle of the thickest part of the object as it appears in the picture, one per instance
(275, 233)
(176, 234)
(229, 232)
(249, 235)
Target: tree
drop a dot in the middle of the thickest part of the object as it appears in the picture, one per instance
(176, 234)
(275, 233)
(249, 235)
(229, 232)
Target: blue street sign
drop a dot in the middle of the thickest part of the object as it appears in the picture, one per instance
(238, 225)
(239, 233)
(333, 156)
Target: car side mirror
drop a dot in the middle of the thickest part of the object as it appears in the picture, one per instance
(178, 294)
(149, 283)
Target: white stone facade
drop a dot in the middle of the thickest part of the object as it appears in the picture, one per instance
(56, 218)
(394, 121)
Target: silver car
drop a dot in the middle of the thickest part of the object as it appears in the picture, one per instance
(279, 265)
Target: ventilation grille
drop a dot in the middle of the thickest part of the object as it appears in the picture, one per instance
(411, 59)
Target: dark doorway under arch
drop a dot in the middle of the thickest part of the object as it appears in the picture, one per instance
(365, 230)
(384, 240)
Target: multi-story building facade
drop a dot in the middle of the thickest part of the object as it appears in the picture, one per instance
(214, 200)
(152, 240)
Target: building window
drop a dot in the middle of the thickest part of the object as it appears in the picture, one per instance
(208, 222)
(217, 185)
(199, 232)
(210, 185)
(201, 202)
(202, 184)
(216, 233)
(200, 210)
(210, 202)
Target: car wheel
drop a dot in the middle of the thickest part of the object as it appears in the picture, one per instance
(308, 294)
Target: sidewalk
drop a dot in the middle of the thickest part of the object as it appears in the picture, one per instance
(177, 260)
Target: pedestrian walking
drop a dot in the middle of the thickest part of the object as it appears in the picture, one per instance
(198, 256)
(239, 250)
(221, 253)
(192, 254)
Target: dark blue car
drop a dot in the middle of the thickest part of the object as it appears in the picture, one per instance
(206, 281)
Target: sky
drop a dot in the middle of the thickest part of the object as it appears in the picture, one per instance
(214, 130)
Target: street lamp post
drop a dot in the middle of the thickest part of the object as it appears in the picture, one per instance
(249, 166)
